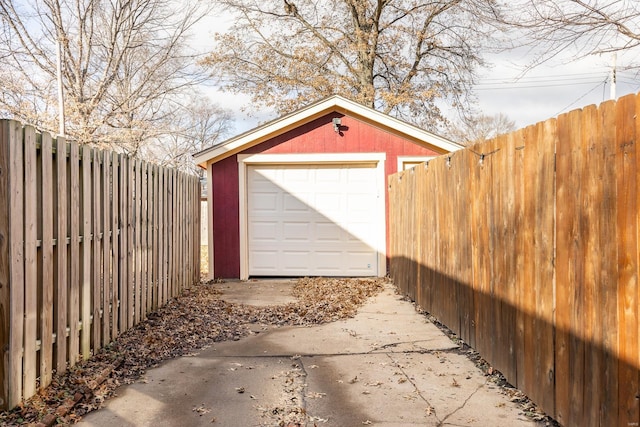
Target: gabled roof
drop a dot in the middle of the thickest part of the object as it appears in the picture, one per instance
(318, 109)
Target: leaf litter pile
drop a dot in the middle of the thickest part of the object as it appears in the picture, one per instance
(197, 318)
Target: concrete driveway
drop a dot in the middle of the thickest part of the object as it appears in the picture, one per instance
(388, 366)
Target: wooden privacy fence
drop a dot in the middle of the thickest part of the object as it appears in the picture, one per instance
(526, 246)
(90, 242)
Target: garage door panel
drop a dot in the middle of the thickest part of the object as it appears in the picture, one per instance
(330, 263)
(264, 260)
(292, 203)
(328, 176)
(361, 266)
(357, 230)
(295, 261)
(295, 231)
(328, 232)
(358, 174)
(264, 231)
(359, 202)
(363, 259)
(296, 175)
(329, 202)
(266, 202)
(329, 255)
(320, 220)
(265, 175)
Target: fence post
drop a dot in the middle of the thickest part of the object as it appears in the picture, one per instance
(11, 262)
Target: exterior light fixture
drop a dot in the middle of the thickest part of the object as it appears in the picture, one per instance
(337, 121)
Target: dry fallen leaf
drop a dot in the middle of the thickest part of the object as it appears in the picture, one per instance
(201, 410)
(315, 395)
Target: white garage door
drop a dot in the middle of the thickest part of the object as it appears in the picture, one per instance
(312, 220)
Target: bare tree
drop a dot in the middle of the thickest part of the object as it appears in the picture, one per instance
(398, 56)
(123, 64)
(480, 128)
(585, 26)
(196, 125)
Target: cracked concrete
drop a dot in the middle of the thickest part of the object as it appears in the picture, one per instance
(388, 366)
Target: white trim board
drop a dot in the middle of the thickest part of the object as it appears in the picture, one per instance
(412, 159)
(376, 160)
(210, 247)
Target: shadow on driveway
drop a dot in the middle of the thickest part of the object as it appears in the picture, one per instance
(387, 366)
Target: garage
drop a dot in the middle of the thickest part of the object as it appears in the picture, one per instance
(305, 193)
(313, 220)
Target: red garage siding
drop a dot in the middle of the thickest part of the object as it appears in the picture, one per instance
(317, 136)
(226, 218)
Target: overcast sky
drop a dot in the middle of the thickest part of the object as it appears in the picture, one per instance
(556, 87)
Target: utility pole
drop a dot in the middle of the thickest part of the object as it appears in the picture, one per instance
(612, 93)
(61, 128)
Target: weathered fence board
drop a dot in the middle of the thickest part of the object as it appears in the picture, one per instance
(85, 248)
(30, 263)
(11, 260)
(61, 291)
(115, 246)
(82, 255)
(533, 236)
(46, 275)
(538, 272)
(155, 248)
(627, 238)
(74, 254)
(107, 236)
(608, 392)
(568, 256)
(123, 263)
(96, 256)
(130, 251)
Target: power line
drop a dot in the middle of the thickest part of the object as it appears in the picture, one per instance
(532, 79)
(581, 97)
(518, 87)
(538, 82)
(546, 80)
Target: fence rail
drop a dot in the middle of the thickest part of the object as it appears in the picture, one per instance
(90, 243)
(527, 247)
